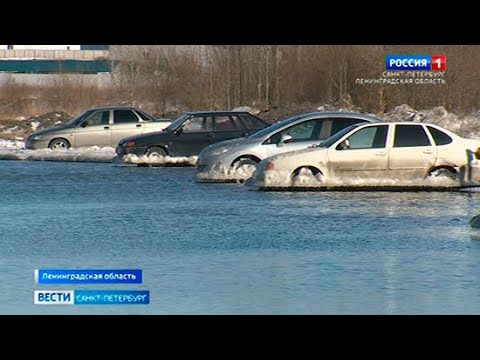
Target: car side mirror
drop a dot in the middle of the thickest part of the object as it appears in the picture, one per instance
(83, 124)
(179, 131)
(285, 139)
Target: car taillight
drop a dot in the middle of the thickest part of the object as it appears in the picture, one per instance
(131, 143)
(269, 166)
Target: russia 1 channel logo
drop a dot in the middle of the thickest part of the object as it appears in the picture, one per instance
(415, 62)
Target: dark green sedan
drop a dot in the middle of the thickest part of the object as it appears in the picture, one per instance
(191, 132)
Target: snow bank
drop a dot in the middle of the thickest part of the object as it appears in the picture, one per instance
(156, 160)
(11, 144)
(466, 126)
(12, 150)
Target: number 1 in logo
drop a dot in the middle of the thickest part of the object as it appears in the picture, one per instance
(439, 62)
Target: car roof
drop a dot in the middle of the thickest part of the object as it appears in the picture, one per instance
(340, 114)
(400, 123)
(113, 107)
(218, 112)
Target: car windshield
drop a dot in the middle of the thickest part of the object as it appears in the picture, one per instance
(269, 129)
(145, 116)
(78, 119)
(332, 139)
(177, 122)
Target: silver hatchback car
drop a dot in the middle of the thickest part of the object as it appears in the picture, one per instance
(102, 126)
(236, 160)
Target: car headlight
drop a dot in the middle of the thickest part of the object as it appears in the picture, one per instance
(39, 137)
(219, 151)
(127, 143)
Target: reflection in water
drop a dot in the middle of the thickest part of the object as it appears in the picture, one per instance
(225, 248)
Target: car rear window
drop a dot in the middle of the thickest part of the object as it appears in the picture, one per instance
(252, 123)
(439, 137)
(340, 124)
(143, 115)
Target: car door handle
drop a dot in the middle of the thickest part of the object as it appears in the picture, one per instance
(106, 127)
(139, 125)
(427, 151)
(211, 135)
(380, 154)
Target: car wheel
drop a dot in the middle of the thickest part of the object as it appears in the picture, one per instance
(306, 176)
(245, 164)
(443, 173)
(245, 167)
(59, 144)
(156, 151)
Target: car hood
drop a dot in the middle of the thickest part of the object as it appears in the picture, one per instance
(51, 129)
(299, 153)
(142, 137)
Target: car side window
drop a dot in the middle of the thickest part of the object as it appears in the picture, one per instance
(251, 122)
(340, 124)
(410, 136)
(372, 137)
(198, 124)
(124, 116)
(97, 118)
(224, 123)
(238, 123)
(143, 116)
(305, 131)
(439, 137)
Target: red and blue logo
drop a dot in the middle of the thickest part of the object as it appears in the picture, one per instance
(415, 63)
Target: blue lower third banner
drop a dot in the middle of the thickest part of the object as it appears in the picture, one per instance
(91, 297)
(88, 276)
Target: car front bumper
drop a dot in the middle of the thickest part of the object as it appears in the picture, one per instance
(36, 144)
(124, 150)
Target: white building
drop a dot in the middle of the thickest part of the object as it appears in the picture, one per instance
(40, 47)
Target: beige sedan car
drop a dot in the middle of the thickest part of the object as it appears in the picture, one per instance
(389, 151)
(103, 126)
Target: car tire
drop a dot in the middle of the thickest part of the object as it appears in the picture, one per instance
(246, 165)
(243, 162)
(59, 144)
(304, 176)
(156, 151)
(443, 172)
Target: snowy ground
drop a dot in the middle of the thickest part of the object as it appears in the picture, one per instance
(13, 150)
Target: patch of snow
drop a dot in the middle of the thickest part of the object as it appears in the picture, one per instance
(13, 151)
(247, 108)
(12, 130)
(34, 125)
(11, 144)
